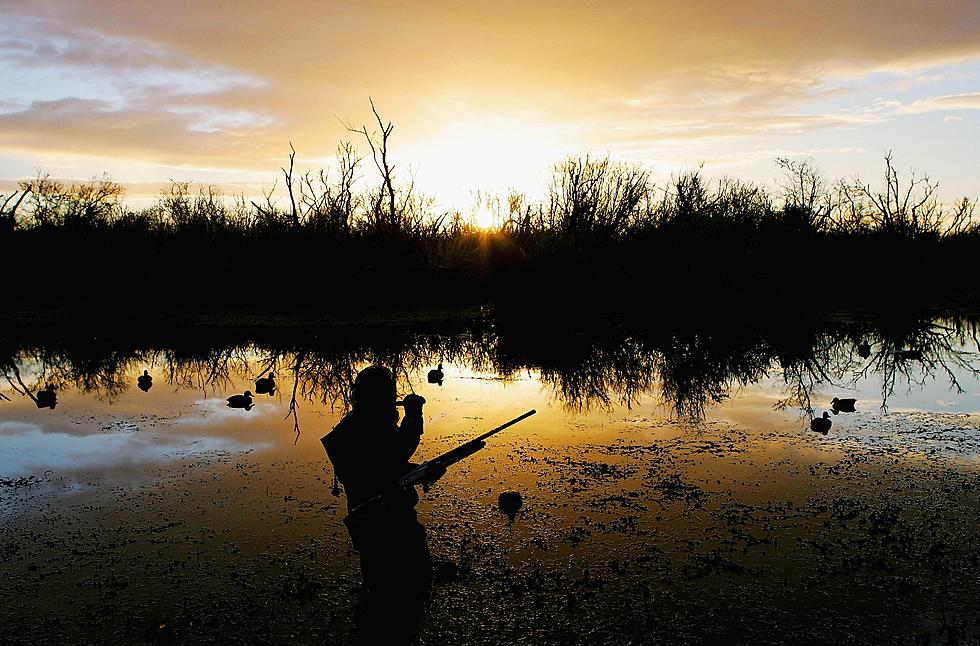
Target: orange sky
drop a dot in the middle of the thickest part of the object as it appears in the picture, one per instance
(485, 95)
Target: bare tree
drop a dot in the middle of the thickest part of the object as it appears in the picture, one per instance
(331, 206)
(289, 186)
(805, 192)
(911, 209)
(10, 216)
(379, 154)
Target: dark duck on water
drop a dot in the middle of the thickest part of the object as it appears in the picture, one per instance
(842, 405)
(821, 424)
(241, 401)
(436, 375)
(46, 398)
(144, 382)
(509, 502)
(266, 385)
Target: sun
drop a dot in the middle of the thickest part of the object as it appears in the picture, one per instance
(484, 155)
(484, 218)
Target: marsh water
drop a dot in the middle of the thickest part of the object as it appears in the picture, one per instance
(673, 489)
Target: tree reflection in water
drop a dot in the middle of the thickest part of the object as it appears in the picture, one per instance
(689, 370)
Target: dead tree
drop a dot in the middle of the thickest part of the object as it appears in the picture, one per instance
(11, 215)
(909, 210)
(379, 154)
(289, 185)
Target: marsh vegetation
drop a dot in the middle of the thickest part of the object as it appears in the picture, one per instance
(333, 238)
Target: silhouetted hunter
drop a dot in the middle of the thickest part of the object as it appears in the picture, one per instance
(144, 382)
(369, 451)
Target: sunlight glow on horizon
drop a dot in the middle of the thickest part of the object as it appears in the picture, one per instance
(484, 155)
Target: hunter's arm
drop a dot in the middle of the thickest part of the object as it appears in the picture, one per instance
(409, 435)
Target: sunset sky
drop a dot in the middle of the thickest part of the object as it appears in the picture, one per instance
(488, 95)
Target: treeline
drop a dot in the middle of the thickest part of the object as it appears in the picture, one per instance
(605, 235)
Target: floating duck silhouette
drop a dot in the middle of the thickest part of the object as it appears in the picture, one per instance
(144, 382)
(821, 424)
(912, 355)
(436, 376)
(509, 502)
(842, 405)
(864, 350)
(266, 385)
(241, 401)
(46, 398)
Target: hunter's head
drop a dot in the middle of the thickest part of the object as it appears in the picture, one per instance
(374, 390)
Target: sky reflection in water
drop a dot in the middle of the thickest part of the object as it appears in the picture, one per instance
(105, 428)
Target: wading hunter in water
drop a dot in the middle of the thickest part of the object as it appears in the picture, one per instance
(370, 452)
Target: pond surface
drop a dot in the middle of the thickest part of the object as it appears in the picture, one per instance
(674, 491)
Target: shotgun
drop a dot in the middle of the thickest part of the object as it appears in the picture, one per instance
(421, 475)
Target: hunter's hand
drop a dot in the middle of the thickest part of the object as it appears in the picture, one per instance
(413, 404)
(433, 472)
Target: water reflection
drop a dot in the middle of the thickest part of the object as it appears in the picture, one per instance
(688, 370)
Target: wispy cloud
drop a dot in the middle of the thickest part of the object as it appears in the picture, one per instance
(204, 85)
(963, 101)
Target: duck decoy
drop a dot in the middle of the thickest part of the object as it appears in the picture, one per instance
(864, 350)
(266, 385)
(842, 405)
(911, 355)
(46, 398)
(821, 424)
(241, 401)
(144, 382)
(509, 502)
(436, 375)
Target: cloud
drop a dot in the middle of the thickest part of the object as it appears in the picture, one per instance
(84, 126)
(964, 101)
(227, 84)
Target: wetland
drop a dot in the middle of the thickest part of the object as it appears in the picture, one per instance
(673, 490)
